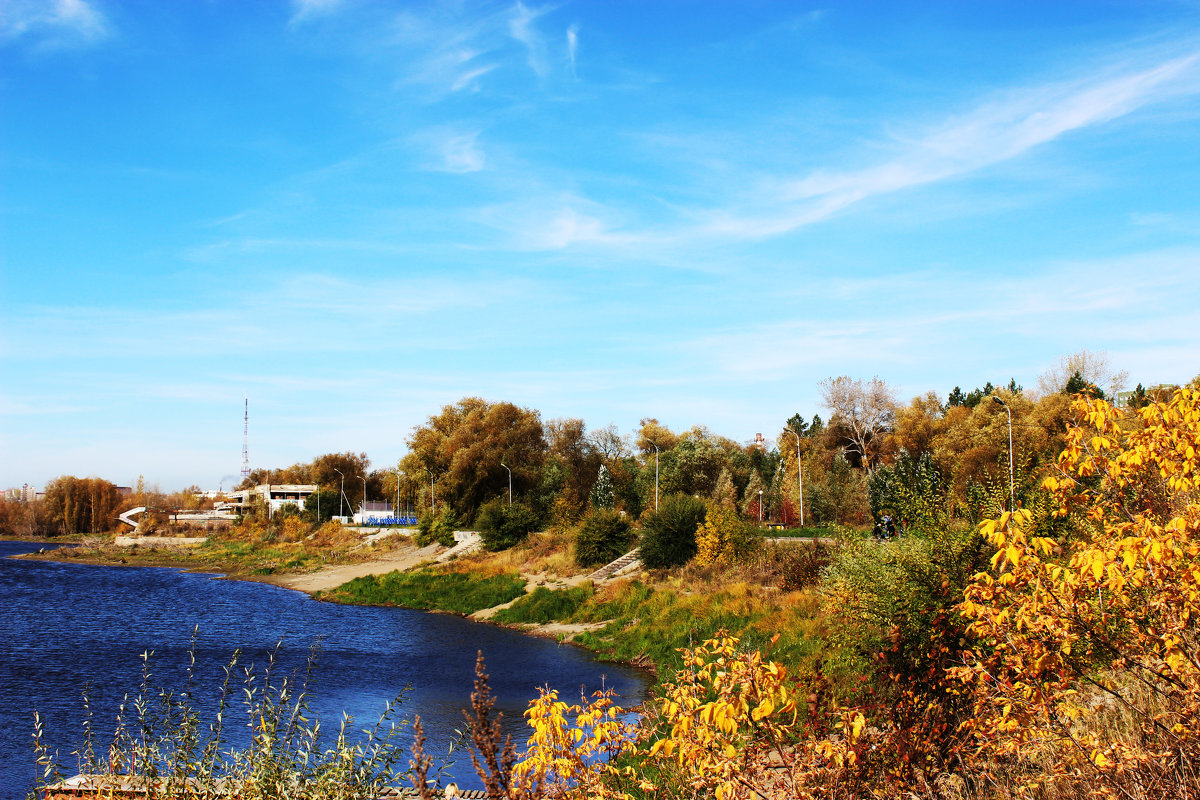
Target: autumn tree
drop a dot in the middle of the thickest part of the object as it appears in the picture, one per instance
(82, 505)
(1093, 369)
(609, 443)
(651, 433)
(1089, 659)
(866, 409)
(461, 450)
(575, 452)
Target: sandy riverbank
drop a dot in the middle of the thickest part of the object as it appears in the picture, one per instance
(403, 558)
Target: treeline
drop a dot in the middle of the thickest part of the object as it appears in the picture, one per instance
(922, 461)
(72, 505)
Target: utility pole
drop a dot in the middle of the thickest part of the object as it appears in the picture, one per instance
(509, 482)
(799, 475)
(363, 513)
(246, 443)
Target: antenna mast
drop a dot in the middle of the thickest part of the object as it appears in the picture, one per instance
(246, 443)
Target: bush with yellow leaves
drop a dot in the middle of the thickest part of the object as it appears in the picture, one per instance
(1089, 656)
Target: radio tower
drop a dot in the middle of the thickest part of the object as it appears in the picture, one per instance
(246, 443)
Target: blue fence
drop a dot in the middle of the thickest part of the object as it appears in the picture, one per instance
(391, 520)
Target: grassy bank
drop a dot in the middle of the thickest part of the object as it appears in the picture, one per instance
(430, 590)
(241, 552)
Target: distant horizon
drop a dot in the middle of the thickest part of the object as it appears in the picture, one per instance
(357, 212)
(234, 479)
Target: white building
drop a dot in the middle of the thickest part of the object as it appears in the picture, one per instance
(276, 495)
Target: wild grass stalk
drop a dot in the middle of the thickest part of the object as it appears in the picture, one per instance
(162, 747)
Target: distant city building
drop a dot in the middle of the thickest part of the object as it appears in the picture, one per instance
(276, 495)
(1155, 391)
(760, 442)
(125, 491)
(24, 494)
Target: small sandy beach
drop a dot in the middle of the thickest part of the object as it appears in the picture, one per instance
(403, 558)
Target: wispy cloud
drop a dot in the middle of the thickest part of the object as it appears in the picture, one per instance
(572, 46)
(555, 221)
(456, 152)
(521, 28)
(904, 320)
(53, 23)
(997, 131)
(452, 48)
(303, 10)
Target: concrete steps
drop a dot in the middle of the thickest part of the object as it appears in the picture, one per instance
(629, 561)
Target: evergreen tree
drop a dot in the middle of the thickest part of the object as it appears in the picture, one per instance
(725, 495)
(1076, 384)
(753, 495)
(774, 496)
(602, 491)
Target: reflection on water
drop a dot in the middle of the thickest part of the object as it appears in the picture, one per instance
(67, 626)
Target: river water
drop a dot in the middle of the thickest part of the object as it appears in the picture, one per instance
(64, 627)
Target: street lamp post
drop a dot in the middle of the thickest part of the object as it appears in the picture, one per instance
(799, 475)
(652, 444)
(397, 510)
(509, 482)
(432, 491)
(760, 508)
(1012, 492)
(341, 492)
(363, 511)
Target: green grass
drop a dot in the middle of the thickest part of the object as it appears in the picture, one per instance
(651, 625)
(425, 589)
(807, 532)
(545, 605)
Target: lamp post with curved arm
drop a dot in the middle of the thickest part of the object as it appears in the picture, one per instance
(799, 475)
(1012, 492)
(509, 482)
(432, 491)
(363, 511)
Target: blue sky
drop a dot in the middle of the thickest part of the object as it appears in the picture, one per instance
(356, 211)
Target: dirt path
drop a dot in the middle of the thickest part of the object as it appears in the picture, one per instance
(404, 558)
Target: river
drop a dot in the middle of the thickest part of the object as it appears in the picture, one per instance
(64, 627)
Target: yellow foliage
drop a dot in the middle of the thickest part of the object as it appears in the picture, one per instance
(1112, 614)
(724, 538)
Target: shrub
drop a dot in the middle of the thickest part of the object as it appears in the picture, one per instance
(800, 565)
(502, 525)
(603, 535)
(725, 538)
(1087, 648)
(669, 534)
(438, 529)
